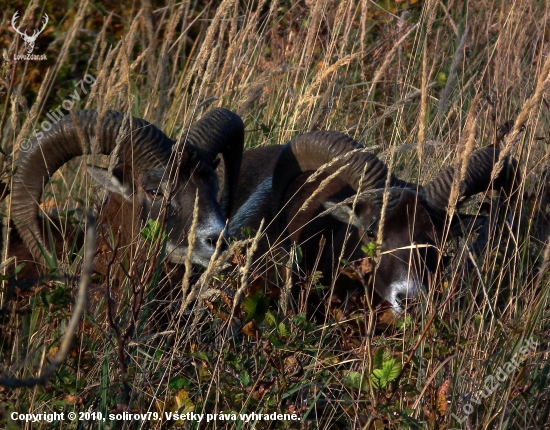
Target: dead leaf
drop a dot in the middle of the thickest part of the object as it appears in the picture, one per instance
(219, 313)
(52, 352)
(293, 366)
(442, 404)
(227, 300)
(73, 400)
(251, 329)
(387, 318)
(261, 389)
(367, 266)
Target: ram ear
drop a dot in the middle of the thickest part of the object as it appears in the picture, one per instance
(342, 212)
(113, 182)
(463, 224)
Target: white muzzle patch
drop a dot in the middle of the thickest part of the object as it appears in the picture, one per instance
(401, 291)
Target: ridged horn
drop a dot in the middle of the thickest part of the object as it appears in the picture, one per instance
(310, 151)
(476, 180)
(221, 131)
(146, 146)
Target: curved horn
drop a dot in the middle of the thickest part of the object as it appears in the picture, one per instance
(221, 131)
(143, 143)
(476, 180)
(312, 150)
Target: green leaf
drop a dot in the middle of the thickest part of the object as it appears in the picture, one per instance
(256, 306)
(60, 297)
(378, 378)
(267, 129)
(277, 343)
(50, 262)
(282, 329)
(245, 378)
(405, 323)
(356, 381)
(270, 319)
(392, 368)
(18, 268)
(248, 232)
(299, 319)
(299, 254)
(378, 358)
(201, 356)
(177, 383)
(44, 298)
(382, 377)
(442, 79)
(152, 230)
(370, 249)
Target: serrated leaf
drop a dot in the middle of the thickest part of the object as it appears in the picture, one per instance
(389, 371)
(300, 319)
(370, 249)
(282, 329)
(378, 358)
(392, 369)
(183, 404)
(405, 323)
(355, 380)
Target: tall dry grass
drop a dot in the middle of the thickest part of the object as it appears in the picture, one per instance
(422, 83)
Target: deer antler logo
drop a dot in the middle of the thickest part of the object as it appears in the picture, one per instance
(29, 40)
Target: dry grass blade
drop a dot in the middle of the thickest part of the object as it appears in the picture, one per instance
(528, 108)
(74, 322)
(201, 290)
(424, 87)
(387, 59)
(444, 98)
(464, 150)
(367, 67)
(246, 268)
(191, 243)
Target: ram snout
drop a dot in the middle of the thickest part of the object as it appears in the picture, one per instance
(204, 236)
(407, 256)
(403, 276)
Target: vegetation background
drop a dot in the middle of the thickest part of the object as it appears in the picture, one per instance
(418, 81)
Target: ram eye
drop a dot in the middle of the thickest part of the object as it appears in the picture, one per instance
(370, 233)
(154, 193)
